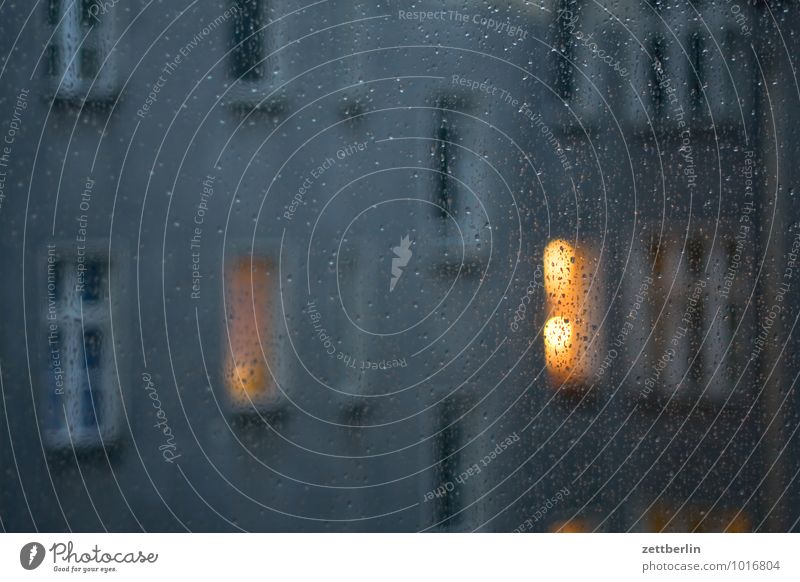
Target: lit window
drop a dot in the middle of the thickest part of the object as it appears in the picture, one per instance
(82, 405)
(736, 522)
(574, 525)
(250, 309)
(696, 518)
(79, 51)
(559, 347)
(570, 332)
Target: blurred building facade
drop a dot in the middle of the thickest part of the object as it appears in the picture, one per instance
(279, 268)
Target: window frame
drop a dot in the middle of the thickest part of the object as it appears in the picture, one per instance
(679, 44)
(70, 40)
(57, 434)
(273, 398)
(463, 171)
(272, 38)
(695, 387)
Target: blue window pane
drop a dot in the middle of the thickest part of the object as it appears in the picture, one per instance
(93, 281)
(92, 341)
(91, 408)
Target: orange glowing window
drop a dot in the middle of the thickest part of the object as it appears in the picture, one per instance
(249, 306)
(561, 278)
(695, 518)
(575, 525)
(737, 522)
(559, 350)
(573, 310)
(719, 521)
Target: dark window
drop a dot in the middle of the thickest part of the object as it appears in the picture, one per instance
(694, 255)
(53, 57)
(53, 12)
(77, 373)
(91, 407)
(89, 12)
(92, 342)
(90, 62)
(697, 76)
(448, 442)
(658, 73)
(694, 318)
(93, 281)
(444, 152)
(565, 76)
(80, 44)
(248, 40)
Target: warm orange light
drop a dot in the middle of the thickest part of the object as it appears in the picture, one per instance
(570, 526)
(740, 523)
(559, 348)
(573, 306)
(561, 280)
(248, 303)
(664, 518)
(251, 378)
